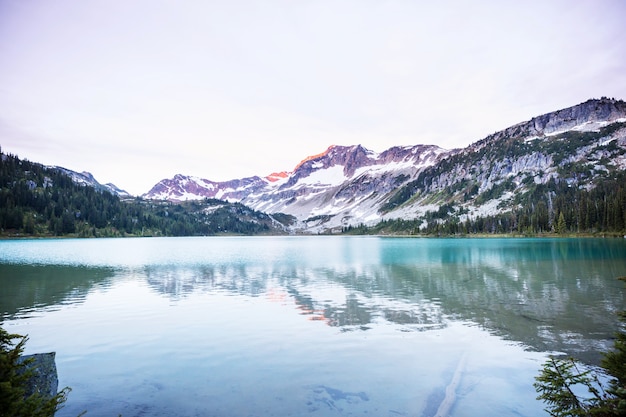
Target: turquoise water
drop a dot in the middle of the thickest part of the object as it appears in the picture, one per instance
(315, 326)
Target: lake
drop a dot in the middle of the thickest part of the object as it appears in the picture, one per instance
(310, 326)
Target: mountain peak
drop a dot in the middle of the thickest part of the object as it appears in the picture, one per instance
(313, 157)
(601, 111)
(349, 185)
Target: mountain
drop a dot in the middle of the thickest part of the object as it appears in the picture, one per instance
(36, 200)
(518, 171)
(346, 184)
(532, 163)
(184, 188)
(87, 179)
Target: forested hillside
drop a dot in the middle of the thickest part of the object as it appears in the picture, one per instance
(572, 182)
(40, 201)
(549, 208)
(563, 172)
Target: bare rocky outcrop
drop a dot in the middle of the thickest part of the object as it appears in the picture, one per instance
(44, 379)
(602, 111)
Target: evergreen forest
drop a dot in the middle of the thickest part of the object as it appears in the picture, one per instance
(36, 200)
(552, 208)
(587, 197)
(39, 201)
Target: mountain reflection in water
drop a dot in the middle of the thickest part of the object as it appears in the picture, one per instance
(552, 295)
(317, 326)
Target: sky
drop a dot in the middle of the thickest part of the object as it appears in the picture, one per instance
(135, 91)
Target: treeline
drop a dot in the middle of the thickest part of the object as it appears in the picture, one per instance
(40, 201)
(553, 207)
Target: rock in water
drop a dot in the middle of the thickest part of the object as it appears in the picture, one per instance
(44, 378)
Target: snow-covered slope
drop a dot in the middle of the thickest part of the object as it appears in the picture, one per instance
(344, 185)
(183, 188)
(351, 185)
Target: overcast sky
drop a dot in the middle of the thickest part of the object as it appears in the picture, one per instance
(135, 91)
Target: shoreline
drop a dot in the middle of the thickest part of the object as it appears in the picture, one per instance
(605, 235)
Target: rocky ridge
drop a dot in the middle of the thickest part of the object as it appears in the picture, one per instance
(344, 186)
(578, 146)
(87, 179)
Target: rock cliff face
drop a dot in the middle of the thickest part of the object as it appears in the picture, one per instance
(588, 116)
(351, 185)
(602, 111)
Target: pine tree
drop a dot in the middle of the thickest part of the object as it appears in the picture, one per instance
(615, 364)
(14, 374)
(561, 227)
(559, 378)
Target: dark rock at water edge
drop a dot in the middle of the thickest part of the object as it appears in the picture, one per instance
(44, 379)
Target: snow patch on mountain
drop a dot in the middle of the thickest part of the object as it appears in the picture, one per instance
(350, 185)
(344, 185)
(331, 176)
(588, 126)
